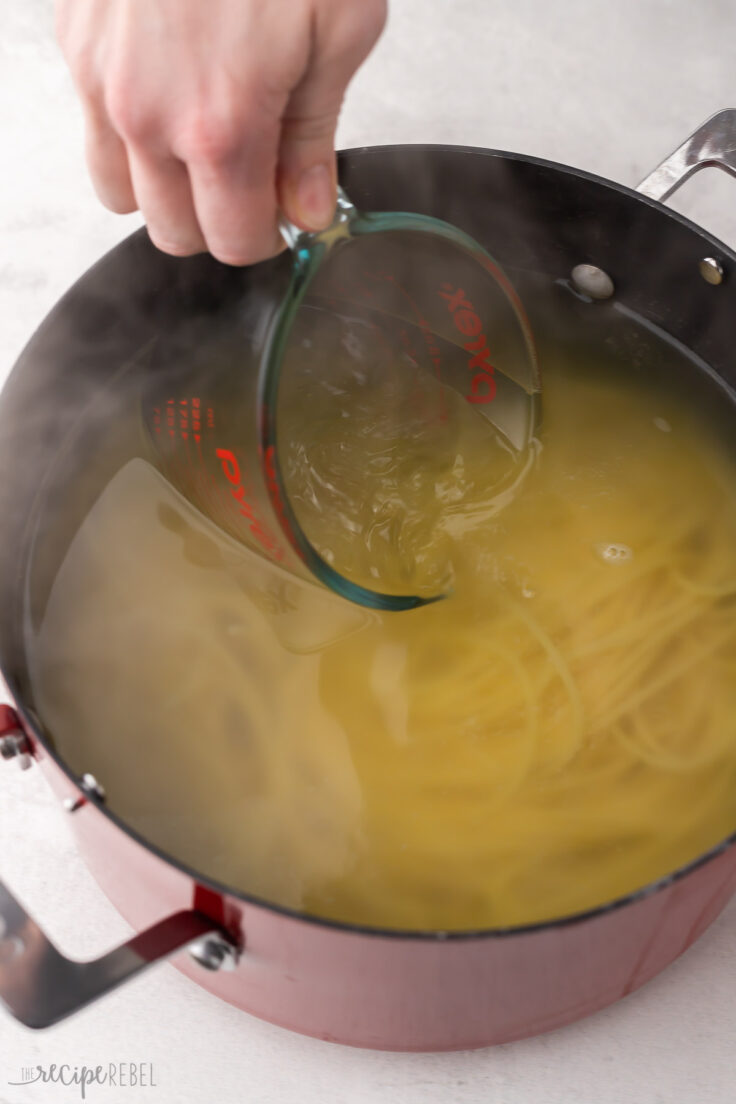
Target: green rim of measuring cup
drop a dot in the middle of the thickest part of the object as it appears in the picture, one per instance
(309, 251)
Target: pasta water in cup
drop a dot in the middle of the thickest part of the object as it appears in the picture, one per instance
(399, 341)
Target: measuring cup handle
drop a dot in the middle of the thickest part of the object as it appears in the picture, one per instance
(296, 238)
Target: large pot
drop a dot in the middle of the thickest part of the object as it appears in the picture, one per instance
(375, 988)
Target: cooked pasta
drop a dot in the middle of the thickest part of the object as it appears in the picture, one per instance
(559, 731)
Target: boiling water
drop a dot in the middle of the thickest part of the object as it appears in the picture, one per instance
(559, 731)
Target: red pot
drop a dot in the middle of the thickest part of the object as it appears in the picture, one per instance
(367, 987)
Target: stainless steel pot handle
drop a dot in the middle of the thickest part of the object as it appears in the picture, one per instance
(39, 986)
(713, 143)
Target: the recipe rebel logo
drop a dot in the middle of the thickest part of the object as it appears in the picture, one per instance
(112, 1075)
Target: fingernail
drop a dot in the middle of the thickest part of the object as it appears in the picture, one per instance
(315, 197)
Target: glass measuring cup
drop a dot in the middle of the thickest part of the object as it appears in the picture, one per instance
(391, 298)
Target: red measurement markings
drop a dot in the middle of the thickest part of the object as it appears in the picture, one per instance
(197, 419)
(184, 419)
(205, 482)
(183, 422)
(171, 417)
(193, 458)
(483, 383)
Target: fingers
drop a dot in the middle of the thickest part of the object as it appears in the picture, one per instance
(127, 177)
(209, 117)
(232, 175)
(205, 179)
(164, 195)
(107, 161)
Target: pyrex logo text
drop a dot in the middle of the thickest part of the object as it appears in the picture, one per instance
(483, 383)
(231, 471)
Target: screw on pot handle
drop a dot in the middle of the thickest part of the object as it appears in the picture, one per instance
(39, 986)
(713, 143)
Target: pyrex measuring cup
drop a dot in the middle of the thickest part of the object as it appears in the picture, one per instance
(393, 292)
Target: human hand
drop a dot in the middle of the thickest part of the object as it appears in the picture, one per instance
(212, 115)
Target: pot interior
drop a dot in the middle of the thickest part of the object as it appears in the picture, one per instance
(75, 401)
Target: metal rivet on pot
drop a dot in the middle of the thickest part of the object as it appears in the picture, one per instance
(90, 788)
(592, 281)
(214, 952)
(14, 745)
(711, 270)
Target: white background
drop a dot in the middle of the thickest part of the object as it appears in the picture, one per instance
(607, 86)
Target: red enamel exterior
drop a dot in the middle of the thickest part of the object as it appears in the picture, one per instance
(396, 992)
(8, 720)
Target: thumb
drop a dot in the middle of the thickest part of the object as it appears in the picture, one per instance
(307, 174)
(344, 34)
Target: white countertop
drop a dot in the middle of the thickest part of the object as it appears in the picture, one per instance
(609, 87)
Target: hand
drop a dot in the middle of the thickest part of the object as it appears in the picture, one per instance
(211, 115)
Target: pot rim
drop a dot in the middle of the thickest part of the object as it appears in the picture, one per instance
(34, 727)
